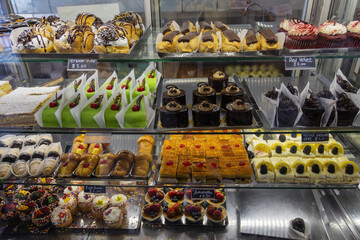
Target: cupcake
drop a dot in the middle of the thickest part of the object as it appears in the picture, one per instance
(173, 212)
(204, 92)
(206, 114)
(74, 190)
(100, 203)
(173, 93)
(113, 217)
(302, 35)
(22, 196)
(10, 191)
(216, 214)
(61, 217)
(9, 213)
(85, 201)
(346, 110)
(218, 80)
(50, 200)
(312, 111)
(70, 202)
(152, 212)
(41, 217)
(220, 199)
(154, 195)
(194, 213)
(331, 35)
(353, 34)
(174, 115)
(118, 200)
(189, 200)
(287, 24)
(239, 113)
(287, 112)
(37, 196)
(230, 93)
(25, 210)
(173, 197)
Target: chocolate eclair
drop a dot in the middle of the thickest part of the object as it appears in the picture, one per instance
(188, 43)
(168, 27)
(269, 35)
(173, 94)
(204, 91)
(174, 115)
(170, 36)
(346, 110)
(204, 26)
(206, 114)
(230, 93)
(239, 113)
(187, 27)
(220, 26)
(218, 80)
(346, 85)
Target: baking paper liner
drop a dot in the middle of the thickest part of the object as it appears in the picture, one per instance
(113, 75)
(39, 170)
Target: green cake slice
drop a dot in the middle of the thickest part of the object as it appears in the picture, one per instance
(109, 87)
(126, 84)
(151, 80)
(90, 89)
(135, 115)
(140, 89)
(111, 111)
(66, 116)
(88, 113)
(48, 113)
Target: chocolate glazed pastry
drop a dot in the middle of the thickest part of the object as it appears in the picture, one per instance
(239, 113)
(173, 94)
(230, 93)
(205, 26)
(170, 37)
(346, 110)
(269, 35)
(312, 112)
(220, 25)
(287, 112)
(167, 28)
(185, 28)
(218, 80)
(174, 115)
(206, 114)
(204, 91)
(327, 94)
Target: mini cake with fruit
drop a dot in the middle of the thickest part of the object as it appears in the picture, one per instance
(135, 115)
(239, 113)
(230, 93)
(220, 198)
(173, 196)
(218, 80)
(41, 217)
(48, 114)
(174, 115)
(90, 89)
(111, 111)
(140, 89)
(216, 214)
(206, 114)
(173, 93)
(152, 212)
(154, 195)
(88, 113)
(194, 213)
(204, 91)
(66, 116)
(173, 212)
(151, 79)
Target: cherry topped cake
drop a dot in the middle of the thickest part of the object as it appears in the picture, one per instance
(173, 93)
(204, 92)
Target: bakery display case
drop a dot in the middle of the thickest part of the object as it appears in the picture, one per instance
(179, 119)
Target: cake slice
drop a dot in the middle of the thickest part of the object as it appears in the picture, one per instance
(66, 117)
(198, 169)
(307, 150)
(198, 149)
(212, 168)
(184, 167)
(168, 148)
(183, 147)
(264, 170)
(316, 171)
(168, 167)
(261, 148)
(229, 167)
(332, 170)
(293, 149)
(277, 148)
(322, 150)
(335, 148)
(48, 113)
(212, 149)
(226, 149)
(88, 113)
(349, 170)
(283, 171)
(300, 169)
(111, 111)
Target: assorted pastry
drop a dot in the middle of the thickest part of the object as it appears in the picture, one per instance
(253, 70)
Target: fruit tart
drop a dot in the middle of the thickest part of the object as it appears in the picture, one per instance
(173, 197)
(154, 195)
(173, 212)
(152, 212)
(194, 213)
(220, 198)
(216, 214)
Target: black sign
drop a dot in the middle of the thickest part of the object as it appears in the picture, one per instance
(202, 193)
(94, 189)
(299, 62)
(315, 136)
(82, 64)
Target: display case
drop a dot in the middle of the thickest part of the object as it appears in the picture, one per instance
(179, 119)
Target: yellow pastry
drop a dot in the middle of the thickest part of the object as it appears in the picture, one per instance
(209, 42)
(88, 19)
(268, 40)
(130, 30)
(349, 169)
(169, 42)
(308, 150)
(283, 171)
(277, 148)
(261, 148)
(76, 39)
(169, 27)
(219, 26)
(205, 27)
(335, 148)
(187, 27)
(188, 43)
(230, 42)
(251, 41)
(292, 149)
(264, 170)
(112, 38)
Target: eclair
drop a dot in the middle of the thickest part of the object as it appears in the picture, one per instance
(169, 42)
(209, 42)
(188, 43)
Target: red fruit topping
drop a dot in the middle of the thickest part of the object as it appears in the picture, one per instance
(109, 87)
(115, 107)
(210, 210)
(182, 145)
(197, 146)
(124, 86)
(135, 108)
(147, 209)
(237, 145)
(65, 164)
(180, 195)
(200, 164)
(186, 163)
(224, 130)
(214, 165)
(242, 163)
(228, 165)
(196, 208)
(168, 147)
(171, 213)
(225, 146)
(103, 162)
(93, 105)
(72, 105)
(97, 145)
(159, 195)
(188, 193)
(90, 90)
(217, 215)
(52, 104)
(212, 147)
(152, 192)
(86, 165)
(70, 188)
(81, 146)
(156, 207)
(188, 209)
(177, 207)
(172, 194)
(140, 89)
(219, 196)
(169, 163)
(151, 76)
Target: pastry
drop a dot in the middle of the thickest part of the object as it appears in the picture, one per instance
(111, 111)
(25, 210)
(88, 19)
(73, 190)
(302, 35)
(66, 116)
(142, 165)
(209, 42)
(216, 214)
(268, 40)
(111, 38)
(206, 114)
(331, 35)
(50, 200)
(264, 170)
(173, 94)
(70, 202)
(212, 166)
(345, 85)
(26, 153)
(135, 116)
(219, 198)
(87, 114)
(299, 229)
(283, 170)
(80, 138)
(118, 200)
(198, 169)
(353, 34)
(168, 27)
(154, 195)
(188, 43)
(99, 205)
(6, 140)
(105, 165)
(312, 112)
(168, 167)
(316, 171)
(194, 213)
(334, 148)
(19, 168)
(53, 21)
(61, 217)
(346, 110)
(113, 217)
(45, 139)
(173, 212)
(230, 93)
(91, 86)
(204, 92)
(174, 115)
(85, 201)
(133, 18)
(287, 112)
(218, 80)
(184, 168)
(349, 169)
(152, 80)
(251, 41)
(16, 142)
(4, 169)
(130, 28)
(29, 40)
(34, 167)
(39, 152)
(41, 217)
(48, 114)
(152, 212)
(239, 113)
(219, 26)
(230, 41)
(124, 161)
(300, 169)
(204, 27)
(173, 197)
(68, 163)
(145, 145)
(187, 27)
(96, 148)
(88, 163)
(169, 42)
(54, 150)
(332, 171)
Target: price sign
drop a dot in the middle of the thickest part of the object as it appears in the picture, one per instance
(300, 62)
(94, 189)
(202, 193)
(315, 137)
(81, 64)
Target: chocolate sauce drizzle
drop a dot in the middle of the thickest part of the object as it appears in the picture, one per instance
(111, 32)
(82, 18)
(60, 31)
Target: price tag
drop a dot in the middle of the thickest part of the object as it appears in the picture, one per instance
(82, 64)
(94, 189)
(299, 62)
(97, 138)
(315, 137)
(202, 193)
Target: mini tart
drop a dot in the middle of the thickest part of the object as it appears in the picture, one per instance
(147, 198)
(210, 202)
(189, 201)
(204, 92)
(148, 218)
(177, 217)
(170, 202)
(192, 219)
(224, 216)
(173, 93)
(218, 80)
(230, 93)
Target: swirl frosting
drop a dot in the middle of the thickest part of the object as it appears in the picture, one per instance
(173, 90)
(354, 27)
(301, 29)
(218, 75)
(332, 28)
(232, 88)
(239, 105)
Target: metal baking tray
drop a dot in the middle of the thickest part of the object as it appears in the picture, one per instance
(190, 84)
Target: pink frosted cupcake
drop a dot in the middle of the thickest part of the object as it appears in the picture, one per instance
(353, 34)
(302, 36)
(331, 35)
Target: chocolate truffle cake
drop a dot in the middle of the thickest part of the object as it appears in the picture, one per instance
(174, 115)
(346, 85)
(312, 112)
(346, 110)
(287, 112)
(218, 80)
(230, 93)
(204, 92)
(206, 114)
(173, 94)
(238, 113)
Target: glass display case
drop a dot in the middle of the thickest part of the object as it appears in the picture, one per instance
(161, 119)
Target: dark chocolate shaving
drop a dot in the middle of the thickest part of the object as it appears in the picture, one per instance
(220, 25)
(205, 25)
(188, 37)
(166, 28)
(251, 37)
(207, 37)
(185, 27)
(229, 34)
(170, 36)
(269, 35)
